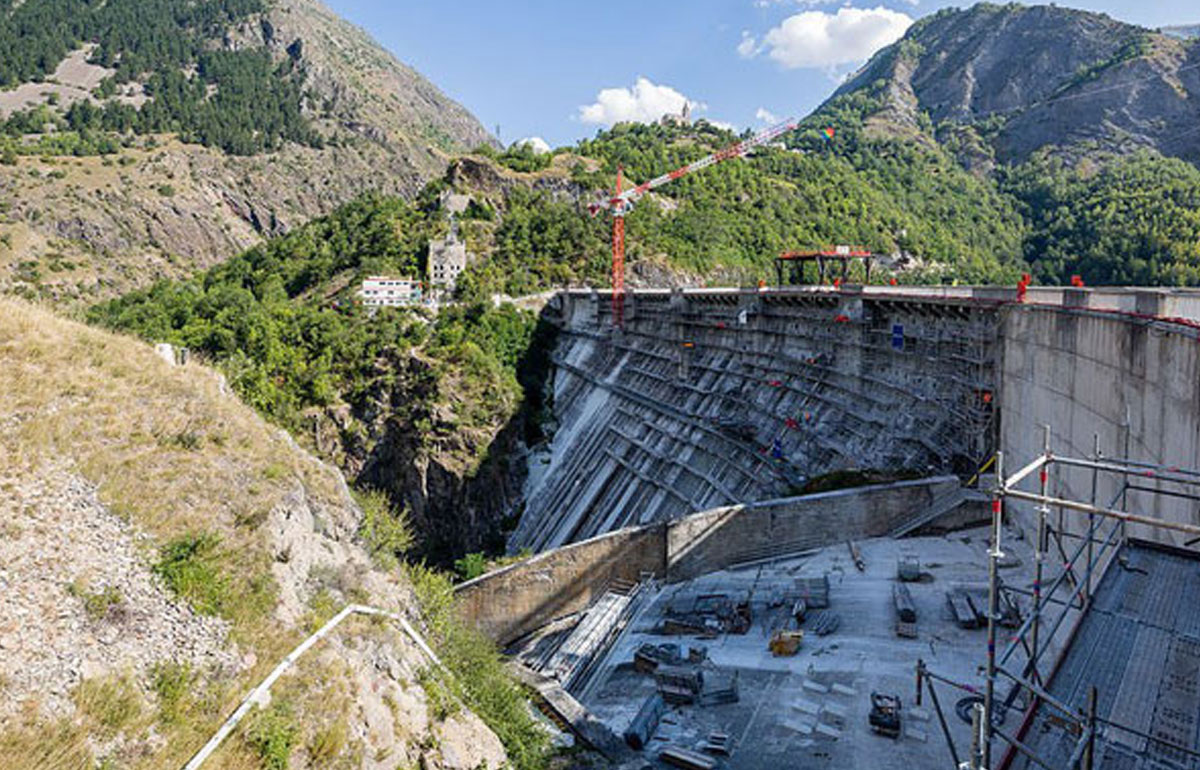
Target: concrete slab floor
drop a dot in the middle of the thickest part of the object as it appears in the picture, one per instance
(797, 712)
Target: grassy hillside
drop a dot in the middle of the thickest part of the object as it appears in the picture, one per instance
(200, 545)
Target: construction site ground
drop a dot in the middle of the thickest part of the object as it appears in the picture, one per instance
(811, 710)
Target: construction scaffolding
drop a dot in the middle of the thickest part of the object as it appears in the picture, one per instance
(1067, 593)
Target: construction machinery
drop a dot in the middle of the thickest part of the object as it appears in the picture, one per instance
(622, 201)
(885, 715)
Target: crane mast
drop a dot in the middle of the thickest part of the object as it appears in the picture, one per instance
(621, 203)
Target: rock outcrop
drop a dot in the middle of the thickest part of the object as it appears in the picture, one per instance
(114, 465)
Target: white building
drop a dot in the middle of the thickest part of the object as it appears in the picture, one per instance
(384, 291)
(447, 260)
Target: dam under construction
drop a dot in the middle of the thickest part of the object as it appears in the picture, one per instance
(864, 527)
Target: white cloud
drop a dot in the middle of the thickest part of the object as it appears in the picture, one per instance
(766, 116)
(536, 143)
(644, 103)
(820, 40)
(748, 48)
(812, 3)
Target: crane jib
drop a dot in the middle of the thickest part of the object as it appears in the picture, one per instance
(623, 201)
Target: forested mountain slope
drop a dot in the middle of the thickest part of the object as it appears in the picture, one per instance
(150, 139)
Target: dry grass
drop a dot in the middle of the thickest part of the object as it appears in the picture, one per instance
(172, 453)
(167, 448)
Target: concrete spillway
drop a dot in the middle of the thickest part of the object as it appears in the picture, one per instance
(714, 397)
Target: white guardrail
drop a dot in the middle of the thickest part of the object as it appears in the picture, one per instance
(258, 694)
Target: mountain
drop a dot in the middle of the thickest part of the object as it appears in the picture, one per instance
(163, 548)
(1182, 31)
(146, 140)
(1002, 82)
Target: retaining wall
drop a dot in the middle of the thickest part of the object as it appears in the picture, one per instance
(512, 601)
(515, 600)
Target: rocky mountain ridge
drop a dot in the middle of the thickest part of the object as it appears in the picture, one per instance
(1007, 81)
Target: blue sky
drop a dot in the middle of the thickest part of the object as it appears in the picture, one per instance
(562, 69)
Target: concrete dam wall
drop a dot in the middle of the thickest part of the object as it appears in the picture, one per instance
(1127, 384)
(711, 398)
(714, 398)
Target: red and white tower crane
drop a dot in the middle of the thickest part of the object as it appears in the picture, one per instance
(621, 203)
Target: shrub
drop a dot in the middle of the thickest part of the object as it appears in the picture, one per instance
(384, 530)
(189, 566)
(478, 677)
(272, 733)
(471, 566)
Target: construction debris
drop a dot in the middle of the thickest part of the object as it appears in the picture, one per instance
(906, 611)
(908, 568)
(717, 743)
(814, 591)
(785, 643)
(822, 623)
(964, 613)
(856, 555)
(649, 657)
(645, 723)
(689, 760)
(719, 690)
(973, 601)
(679, 684)
(708, 616)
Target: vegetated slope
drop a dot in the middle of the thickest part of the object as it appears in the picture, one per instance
(986, 143)
(727, 223)
(429, 411)
(175, 134)
(163, 548)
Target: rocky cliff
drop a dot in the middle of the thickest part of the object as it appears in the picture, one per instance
(95, 226)
(1018, 78)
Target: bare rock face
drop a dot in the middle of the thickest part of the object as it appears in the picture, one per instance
(87, 228)
(1041, 76)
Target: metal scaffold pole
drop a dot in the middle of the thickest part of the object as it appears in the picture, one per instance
(1039, 560)
(994, 556)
